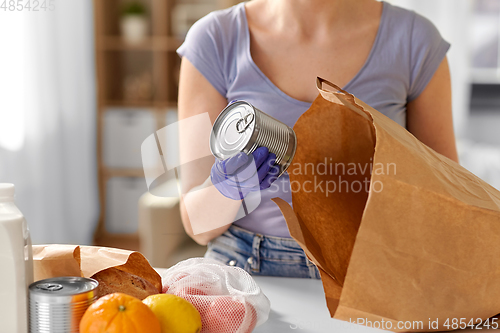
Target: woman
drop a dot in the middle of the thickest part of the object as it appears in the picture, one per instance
(269, 53)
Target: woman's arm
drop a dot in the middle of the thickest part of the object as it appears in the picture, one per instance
(201, 202)
(429, 116)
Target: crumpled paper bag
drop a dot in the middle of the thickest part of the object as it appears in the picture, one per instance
(73, 260)
(420, 243)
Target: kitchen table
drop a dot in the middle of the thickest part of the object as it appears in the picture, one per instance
(298, 305)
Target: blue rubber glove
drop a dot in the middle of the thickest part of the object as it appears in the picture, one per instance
(241, 174)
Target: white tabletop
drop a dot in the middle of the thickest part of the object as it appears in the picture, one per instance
(298, 305)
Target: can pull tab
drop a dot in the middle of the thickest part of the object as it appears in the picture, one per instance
(244, 122)
(50, 286)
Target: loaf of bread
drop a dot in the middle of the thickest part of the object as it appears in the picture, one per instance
(113, 280)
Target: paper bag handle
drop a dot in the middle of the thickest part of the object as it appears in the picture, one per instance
(319, 84)
(345, 96)
(320, 81)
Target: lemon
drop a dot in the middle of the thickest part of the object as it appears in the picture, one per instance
(176, 315)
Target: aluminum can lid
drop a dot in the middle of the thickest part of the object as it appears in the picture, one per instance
(232, 130)
(61, 289)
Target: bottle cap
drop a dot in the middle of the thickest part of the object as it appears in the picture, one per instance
(7, 191)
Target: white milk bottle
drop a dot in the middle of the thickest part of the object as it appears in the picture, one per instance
(16, 264)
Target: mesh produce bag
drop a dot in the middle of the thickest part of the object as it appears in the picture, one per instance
(228, 299)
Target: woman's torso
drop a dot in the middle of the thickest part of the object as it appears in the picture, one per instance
(390, 76)
(293, 49)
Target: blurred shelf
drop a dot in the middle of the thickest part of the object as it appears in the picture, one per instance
(485, 76)
(151, 67)
(155, 43)
(123, 172)
(143, 104)
(485, 98)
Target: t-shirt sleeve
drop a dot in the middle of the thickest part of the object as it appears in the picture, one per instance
(203, 48)
(428, 50)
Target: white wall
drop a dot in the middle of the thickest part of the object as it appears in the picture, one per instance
(50, 155)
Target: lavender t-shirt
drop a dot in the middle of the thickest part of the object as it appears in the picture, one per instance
(407, 51)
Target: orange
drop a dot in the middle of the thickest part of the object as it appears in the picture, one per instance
(119, 313)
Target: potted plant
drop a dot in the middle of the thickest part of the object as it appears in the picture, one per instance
(134, 22)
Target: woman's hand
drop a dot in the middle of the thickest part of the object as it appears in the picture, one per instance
(241, 174)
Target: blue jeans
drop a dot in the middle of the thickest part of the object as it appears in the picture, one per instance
(261, 255)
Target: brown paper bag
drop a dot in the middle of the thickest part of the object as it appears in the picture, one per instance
(74, 260)
(419, 243)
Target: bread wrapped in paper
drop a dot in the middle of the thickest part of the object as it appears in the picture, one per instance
(116, 269)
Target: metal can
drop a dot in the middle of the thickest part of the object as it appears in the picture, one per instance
(241, 127)
(57, 305)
